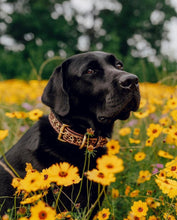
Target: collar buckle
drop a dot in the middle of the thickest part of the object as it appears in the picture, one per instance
(62, 132)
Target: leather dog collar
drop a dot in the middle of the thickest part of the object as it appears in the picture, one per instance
(65, 134)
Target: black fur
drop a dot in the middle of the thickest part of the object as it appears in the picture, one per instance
(89, 90)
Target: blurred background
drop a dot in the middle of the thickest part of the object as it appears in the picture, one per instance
(37, 35)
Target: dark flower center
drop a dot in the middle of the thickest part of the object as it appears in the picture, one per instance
(173, 168)
(140, 209)
(46, 177)
(63, 174)
(42, 215)
(101, 175)
(154, 131)
(104, 215)
(109, 166)
(32, 181)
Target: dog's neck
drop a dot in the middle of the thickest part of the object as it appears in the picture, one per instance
(81, 123)
(66, 134)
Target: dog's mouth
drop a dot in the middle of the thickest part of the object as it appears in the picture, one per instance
(133, 105)
(120, 111)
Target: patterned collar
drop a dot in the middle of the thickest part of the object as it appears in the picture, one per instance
(65, 134)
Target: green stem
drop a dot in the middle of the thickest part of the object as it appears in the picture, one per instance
(57, 200)
(106, 198)
(82, 180)
(71, 202)
(93, 206)
(88, 188)
(8, 164)
(98, 194)
(15, 207)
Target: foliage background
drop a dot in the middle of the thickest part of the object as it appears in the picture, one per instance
(38, 30)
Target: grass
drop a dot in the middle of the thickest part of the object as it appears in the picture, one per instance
(152, 133)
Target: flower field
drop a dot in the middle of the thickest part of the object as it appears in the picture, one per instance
(140, 167)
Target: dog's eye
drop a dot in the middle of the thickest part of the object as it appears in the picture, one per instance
(90, 71)
(119, 66)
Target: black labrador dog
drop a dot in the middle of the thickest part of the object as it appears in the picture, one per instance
(89, 90)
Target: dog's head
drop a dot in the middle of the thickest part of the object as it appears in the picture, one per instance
(92, 85)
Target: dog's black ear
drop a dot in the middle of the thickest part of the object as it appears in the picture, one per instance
(54, 94)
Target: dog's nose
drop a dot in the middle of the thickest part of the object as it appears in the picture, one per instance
(128, 81)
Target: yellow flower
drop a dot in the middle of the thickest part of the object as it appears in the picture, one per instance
(139, 208)
(134, 141)
(168, 129)
(171, 169)
(103, 214)
(64, 215)
(115, 193)
(23, 218)
(136, 131)
(33, 198)
(110, 163)
(144, 175)
(42, 212)
(35, 114)
(46, 178)
(3, 134)
(165, 154)
(127, 190)
(174, 115)
(176, 207)
(113, 147)
(154, 130)
(142, 102)
(16, 114)
(151, 109)
(98, 176)
(124, 131)
(162, 173)
(167, 186)
(132, 216)
(152, 203)
(168, 217)
(21, 115)
(165, 121)
(173, 132)
(29, 168)
(149, 142)
(170, 139)
(14, 94)
(32, 182)
(45, 183)
(172, 103)
(63, 174)
(139, 156)
(141, 114)
(10, 114)
(16, 182)
(134, 193)
(152, 217)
